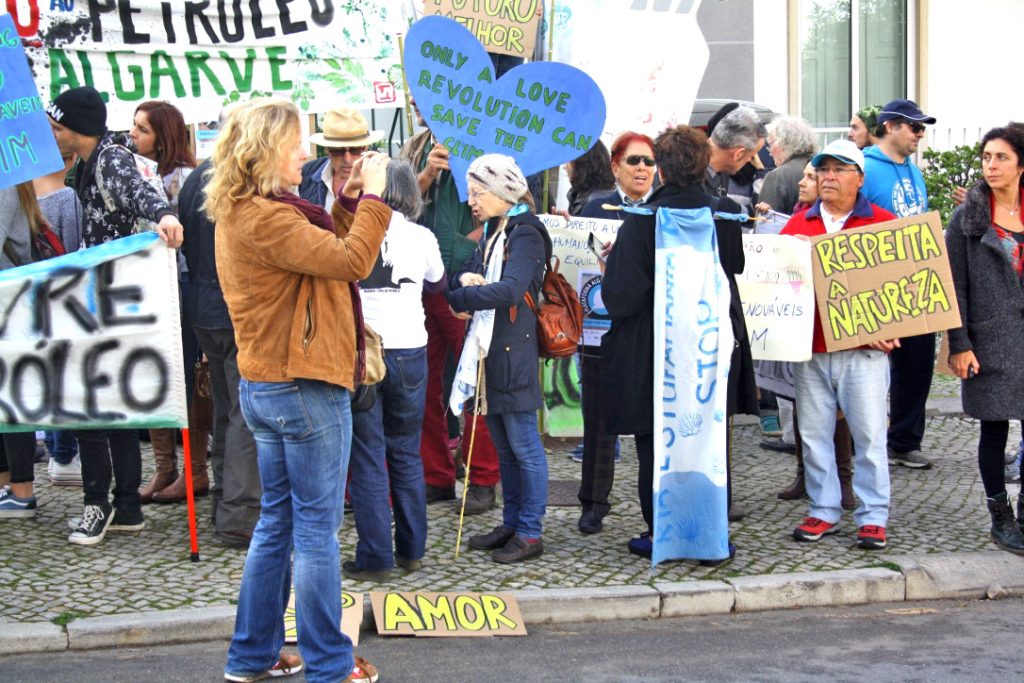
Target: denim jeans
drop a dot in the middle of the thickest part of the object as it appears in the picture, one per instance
(62, 445)
(386, 460)
(524, 471)
(856, 381)
(303, 432)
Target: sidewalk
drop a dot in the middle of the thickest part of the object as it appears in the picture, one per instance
(46, 581)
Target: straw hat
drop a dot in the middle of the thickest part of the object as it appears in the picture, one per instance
(345, 128)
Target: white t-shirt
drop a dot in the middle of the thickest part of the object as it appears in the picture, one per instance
(327, 178)
(833, 223)
(392, 294)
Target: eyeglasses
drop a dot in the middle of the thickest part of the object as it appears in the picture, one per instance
(834, 170)
(635, 159)
(342, 151)
(473, 194)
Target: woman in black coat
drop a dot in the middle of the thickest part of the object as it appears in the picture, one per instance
(517, 241)
(985, 241)
(627, 349)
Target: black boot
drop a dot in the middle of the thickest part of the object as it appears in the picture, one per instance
(1020, 511)
(1005, 533)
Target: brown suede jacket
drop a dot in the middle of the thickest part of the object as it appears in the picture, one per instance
(286, 285)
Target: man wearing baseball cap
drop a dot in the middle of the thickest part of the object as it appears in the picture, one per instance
(895, 183)
(854, 380)
(113, 196)
(345, 136)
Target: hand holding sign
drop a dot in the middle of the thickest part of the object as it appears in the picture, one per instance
(542, 114)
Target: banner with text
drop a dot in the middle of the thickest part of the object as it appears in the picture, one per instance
(884, 281)
(27, 147)
(503, 27)
(203, 55)
(542, 114)
(92, 339)
(447, 614)
(777, 291)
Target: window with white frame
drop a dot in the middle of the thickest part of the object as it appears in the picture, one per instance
(853, 53)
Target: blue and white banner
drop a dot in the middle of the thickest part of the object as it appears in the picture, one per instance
(92, 340)
(693, 344)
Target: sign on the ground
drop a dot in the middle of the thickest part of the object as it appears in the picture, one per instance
(351, 617)
(447, 614)
(884, 281)
(92, 339)
(502, 27)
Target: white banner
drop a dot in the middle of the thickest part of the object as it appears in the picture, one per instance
(92, 339)
(693, 344)
(203, 55)
(777, 290)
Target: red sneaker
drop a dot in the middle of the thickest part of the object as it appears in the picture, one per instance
(363, 672)
(871, 537)
(813, 529)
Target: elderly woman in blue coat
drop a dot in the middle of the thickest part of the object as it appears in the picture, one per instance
(985, 241)
(508, 263)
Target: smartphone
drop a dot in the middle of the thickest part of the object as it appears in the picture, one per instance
(595, 247)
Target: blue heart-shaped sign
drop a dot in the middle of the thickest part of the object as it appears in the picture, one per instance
(542, 114)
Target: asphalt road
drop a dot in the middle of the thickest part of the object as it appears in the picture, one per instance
(928, 641)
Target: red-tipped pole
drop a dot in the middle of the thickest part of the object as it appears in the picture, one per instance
(190, 495)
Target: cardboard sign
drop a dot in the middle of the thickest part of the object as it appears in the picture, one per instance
(204, 55)
(27, 147)
(884, 281)
(506, 28)
(447, 614)
(777, 291)
(542, 114)
(92, 339)
(351, 617)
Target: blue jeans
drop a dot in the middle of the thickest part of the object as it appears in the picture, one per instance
(386, 460)
(524, 471)
(855, 381)
(303, 432)
(62, 445)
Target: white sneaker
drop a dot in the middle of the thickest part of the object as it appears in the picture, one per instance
(66, 475)
(93, 525)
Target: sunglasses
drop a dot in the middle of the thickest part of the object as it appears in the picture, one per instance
(917, 128)
(342, 151)
(635, 159)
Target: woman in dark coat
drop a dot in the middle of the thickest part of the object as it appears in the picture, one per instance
(985, 241)
(627, 349)
(516, 240)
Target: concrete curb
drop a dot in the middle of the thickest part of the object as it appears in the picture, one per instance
(917, 577)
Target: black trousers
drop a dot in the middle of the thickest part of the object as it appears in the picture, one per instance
(111, 454)
(598, 444)
(18, 454)
(910, 380)
(991, 455)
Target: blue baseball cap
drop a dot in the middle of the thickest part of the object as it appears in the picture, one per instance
(904, 109)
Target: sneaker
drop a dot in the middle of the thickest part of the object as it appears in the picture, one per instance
(66, 475)
(13, 507)
(914, 459)
(352, 571)
(286, 665)
(813, 529)
(778, 445)
(363, 672)
(577, 453)
(770, 425)
(871, 537)
(127, 521)
(641, 545)
(93, 525)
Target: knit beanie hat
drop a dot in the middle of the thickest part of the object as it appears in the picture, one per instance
(500, 175)
(81, 110)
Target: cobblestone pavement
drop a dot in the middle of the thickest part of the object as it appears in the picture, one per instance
(42, 577)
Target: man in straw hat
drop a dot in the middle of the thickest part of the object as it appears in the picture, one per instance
(346, 135)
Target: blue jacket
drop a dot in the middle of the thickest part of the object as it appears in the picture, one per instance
(312, 188)
(204, 300)
(898, 188)
(512, 362)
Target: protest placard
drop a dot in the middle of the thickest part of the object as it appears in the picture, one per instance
(777, 291)
(27, 147)
(447, 614)
(92, 340)
(884, 281)
(502, 27)
(351, 617)
(542, 114)
(203, 55)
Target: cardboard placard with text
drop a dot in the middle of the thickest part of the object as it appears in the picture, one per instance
(450, 615)
(506, 28)
(351, 617)
(883, 281)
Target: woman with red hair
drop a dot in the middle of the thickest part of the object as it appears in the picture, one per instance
(633, 166)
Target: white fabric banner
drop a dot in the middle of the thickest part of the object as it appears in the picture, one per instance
(693, 344)
(92, 339)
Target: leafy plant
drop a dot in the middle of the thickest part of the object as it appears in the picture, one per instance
(946, 171)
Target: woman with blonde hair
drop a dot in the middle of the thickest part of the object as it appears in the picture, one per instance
(288, 272)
